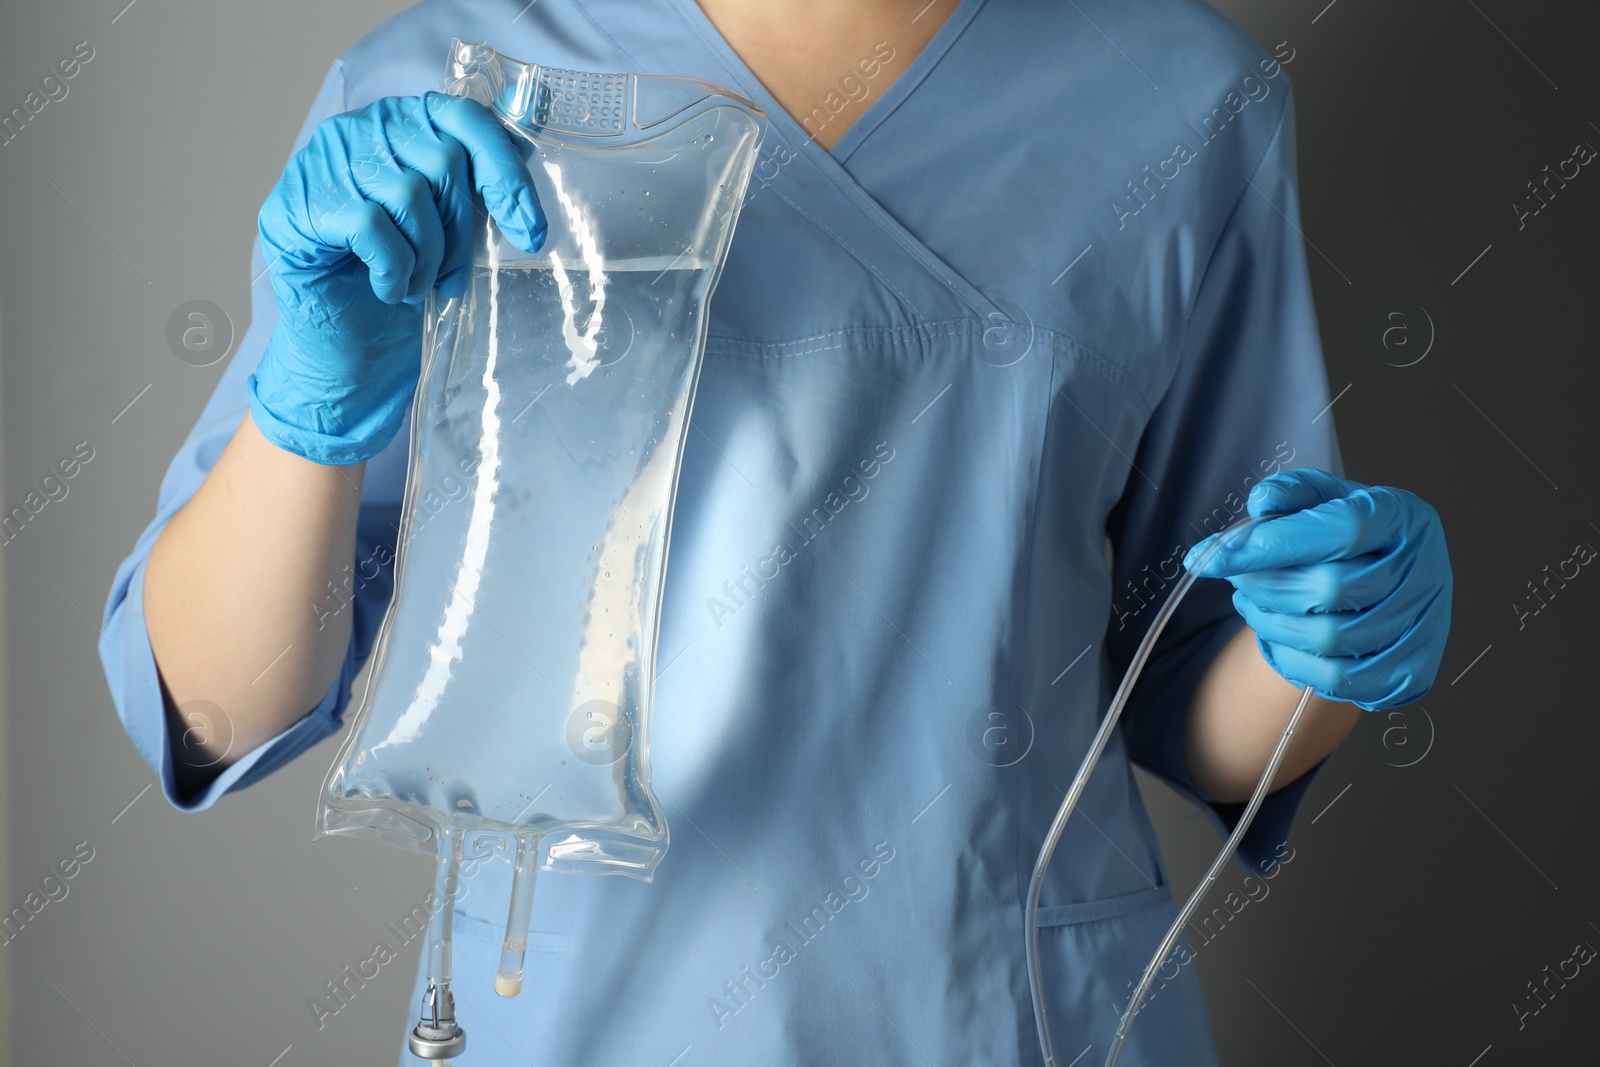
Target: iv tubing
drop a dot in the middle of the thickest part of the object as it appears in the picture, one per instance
(1070, 801)
(447, 877)
(1226, 854)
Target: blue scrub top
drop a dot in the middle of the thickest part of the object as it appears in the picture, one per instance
(976, 379)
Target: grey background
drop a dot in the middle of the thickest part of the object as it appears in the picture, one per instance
(1442, 859)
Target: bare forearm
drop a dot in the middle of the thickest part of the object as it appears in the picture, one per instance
(230, 596)
(1238, 714)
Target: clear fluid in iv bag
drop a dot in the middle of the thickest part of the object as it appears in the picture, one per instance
(541, 481)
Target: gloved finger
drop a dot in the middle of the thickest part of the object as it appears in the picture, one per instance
(1368, 520)
(408, 199)
(497, 169)
(1328, 675)
(366, 229)
(1340, 633)
(1290, 491)
(1385, 680)
(1280, 494)
(1342, 585)
(451, 174)
(454, 284)
(413, 142)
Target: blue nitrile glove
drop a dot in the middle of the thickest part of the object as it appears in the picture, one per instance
(374, 212)
(1348, 590)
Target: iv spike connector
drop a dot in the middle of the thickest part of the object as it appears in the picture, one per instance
(437, 1034)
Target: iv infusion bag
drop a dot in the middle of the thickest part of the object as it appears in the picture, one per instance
(512, 680)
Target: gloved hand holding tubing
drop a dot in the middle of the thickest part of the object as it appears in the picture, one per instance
(1348, 588)
(375, 211)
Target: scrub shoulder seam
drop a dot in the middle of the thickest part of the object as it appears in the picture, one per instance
(1284, 112)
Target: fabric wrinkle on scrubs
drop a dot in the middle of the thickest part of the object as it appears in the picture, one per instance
(1003, 321)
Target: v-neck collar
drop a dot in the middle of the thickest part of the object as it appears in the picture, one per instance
(830, 196)
(876, 112)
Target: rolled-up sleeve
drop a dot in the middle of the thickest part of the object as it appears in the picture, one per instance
(125, 650)
(1249, 397)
